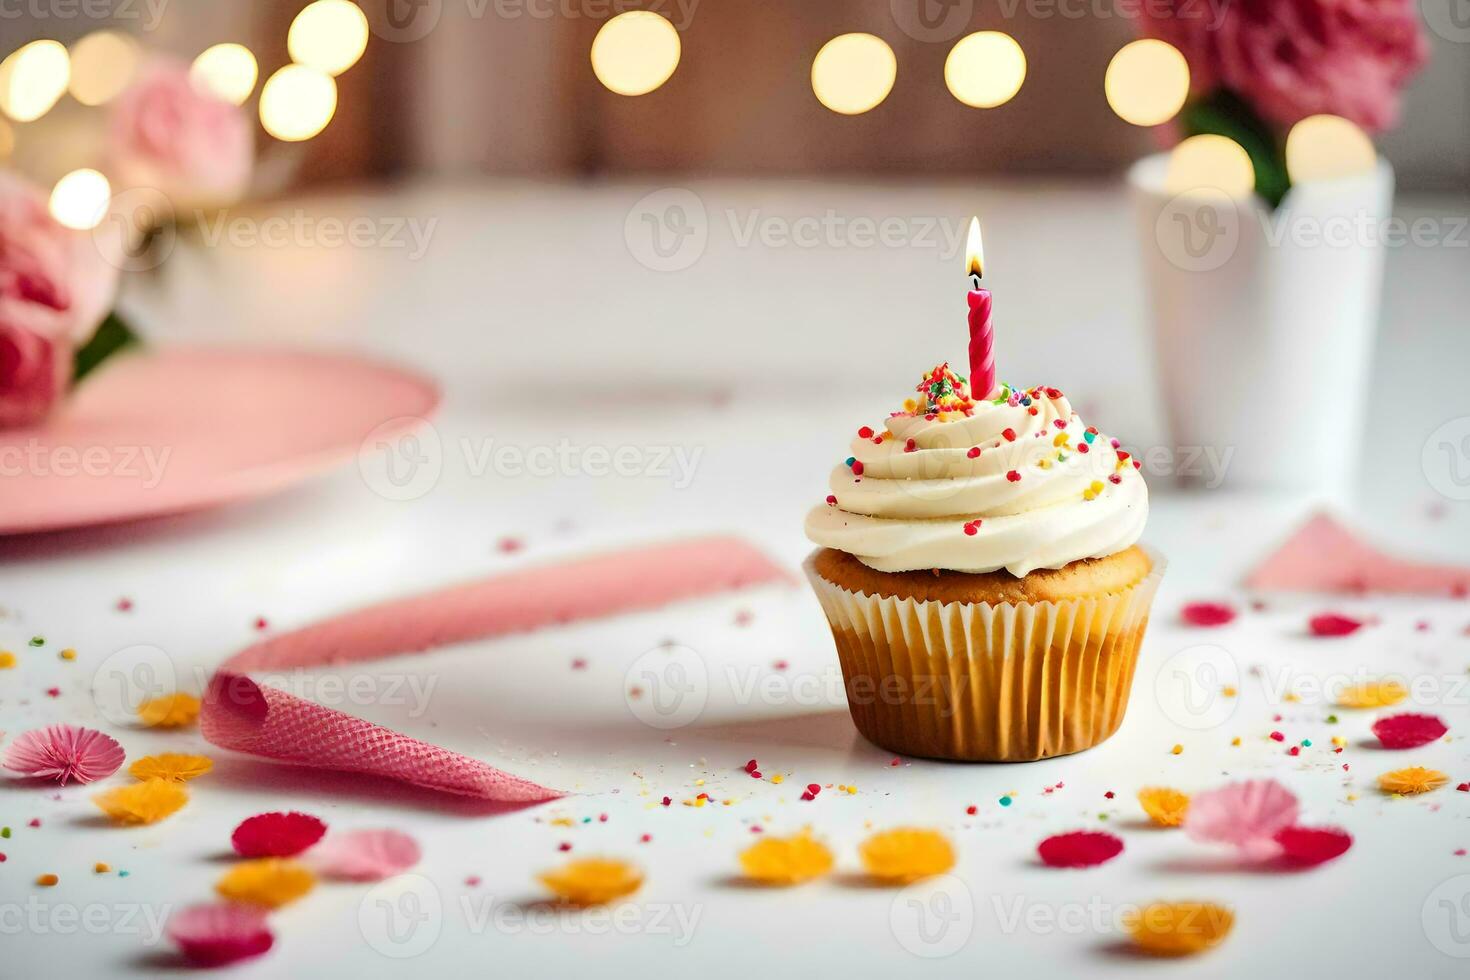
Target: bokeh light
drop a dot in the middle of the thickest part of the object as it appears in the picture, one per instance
(636, 52)
(228, 70)
(32, 79)
(852, 73)
(102, 65)
(1210, 163)
(1147, 82)
(79, 200)
(297, 102)
(985, 70)
(1328, 148)
(328, 35)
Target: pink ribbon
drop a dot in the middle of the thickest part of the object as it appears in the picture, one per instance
(243, 716)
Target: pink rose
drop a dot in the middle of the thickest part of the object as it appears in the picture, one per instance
(1296, 58)
(54, 290)
(166, 134)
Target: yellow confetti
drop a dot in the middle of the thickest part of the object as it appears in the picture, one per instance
(786, 860)
(1235, 741)
(145, 802)
(1413, 780)
(170, 711)
(1228, 691)
(906, 854)
(778, 779)
(1339, 742)
(68, 654)
(7, 660)
(1291, 697)
(46, 881)
(101, 867)
(560, 821)
(172, 766)
(1177, 750)
(269, 882)
(1179, 929)
(1165, 807)
(1373, 694)
(593, 881)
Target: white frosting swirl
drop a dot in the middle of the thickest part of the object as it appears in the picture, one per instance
(1008, 486)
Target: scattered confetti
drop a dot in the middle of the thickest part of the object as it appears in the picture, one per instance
(786, 860)
(906, 854)
(1177, 750)
(101, 868)
(1373, 694)
(268, 882)
(171, 766)
(1333, 624)
(1165, 807)
(1313, 845)
(67, 654)
(1247, 815)
(7, 660)
(1408, 731)
(364, 855)
(1411, 781)
(64, 753)
(593, 881)
(1207, 613)
(47, 880)
(1082, 849)
(1179, 929)
(219, 933)
(276, 834)
(170, 711)
(140, 803)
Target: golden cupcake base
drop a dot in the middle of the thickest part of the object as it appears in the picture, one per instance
(982, 681)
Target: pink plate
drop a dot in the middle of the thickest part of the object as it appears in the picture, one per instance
(167, 431)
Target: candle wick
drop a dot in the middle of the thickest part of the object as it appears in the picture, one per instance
(975, 280)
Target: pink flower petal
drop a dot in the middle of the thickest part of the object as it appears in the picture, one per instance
(221, 933)
(364, 855)
(1207, 613)
(1334, 624)
(63, 753)
(1246, 815)
(1409, 731)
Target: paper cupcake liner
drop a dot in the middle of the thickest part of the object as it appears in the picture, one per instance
(979, 682)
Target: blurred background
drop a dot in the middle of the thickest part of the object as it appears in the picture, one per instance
(458, 87)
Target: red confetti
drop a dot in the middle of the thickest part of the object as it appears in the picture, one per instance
(1207, 613)
(1408, 731)
(910, 446)
(1294, 750)
(276, 834)
(972, 809)
(974, 452)
(866, 432)
(1108, 795)
(54, 692)
(1333, 624)
(831, 500)
(580, 663)
(1463, 788)
(857, 467)
(1277, 736)
(752, 766)
(893, 761)
(510, 546)
(1313, 845)
(1013, 476)
(1010, 435)
(564, 846)
(1082, 849)
(260, 623)
(124, 605)
(813, 788)
(645, 838)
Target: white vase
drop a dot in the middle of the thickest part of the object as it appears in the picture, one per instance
(1264, 324)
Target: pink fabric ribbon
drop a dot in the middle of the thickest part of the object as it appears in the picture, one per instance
(243, 716)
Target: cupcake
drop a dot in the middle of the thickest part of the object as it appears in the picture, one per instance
(979, 565)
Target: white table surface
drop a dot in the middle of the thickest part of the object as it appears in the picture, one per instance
(756, 362)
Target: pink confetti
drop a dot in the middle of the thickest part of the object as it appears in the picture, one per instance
(1246, 815)
(1313, 845)
(1082, 849)
(1408, 731)
(1207, 613)
(365, 855)
(276, 834)
(220, 933)
(65, 752)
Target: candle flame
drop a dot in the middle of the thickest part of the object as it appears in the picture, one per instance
(975, 251)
